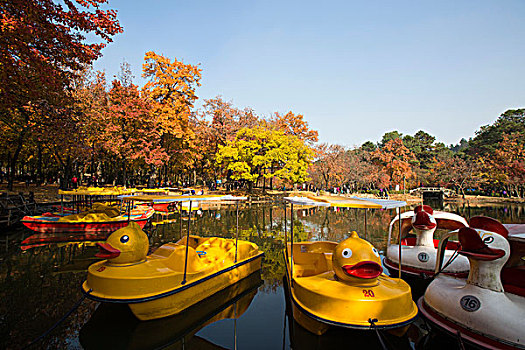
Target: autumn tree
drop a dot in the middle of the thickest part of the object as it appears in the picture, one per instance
(42, 47)
(395, 158)
(363, 173)
(458, 171)
(226, 120)
(294, 124)
(329, 168)
(91, 105)
(218, 123)
(171, 86)
(506, 166)
(261, 152)
(132, 131)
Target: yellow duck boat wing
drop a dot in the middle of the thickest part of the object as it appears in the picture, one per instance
(154, 285)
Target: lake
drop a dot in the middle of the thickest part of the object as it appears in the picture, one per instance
(41, 284)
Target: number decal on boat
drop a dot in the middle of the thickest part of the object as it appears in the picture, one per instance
(423, 257)
(470, 303)
(368, 293)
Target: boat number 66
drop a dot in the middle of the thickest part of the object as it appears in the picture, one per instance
(368, 293)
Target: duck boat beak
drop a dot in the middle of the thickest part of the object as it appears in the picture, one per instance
(107, 251)
(363, 269)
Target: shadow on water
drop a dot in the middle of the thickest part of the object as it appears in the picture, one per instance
(113, 326)
(39, 285)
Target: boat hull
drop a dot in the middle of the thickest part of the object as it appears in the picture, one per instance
(185, 295)
(200, 290)
(485, 326)
(419, 261)
(389, 302)
(49, 226)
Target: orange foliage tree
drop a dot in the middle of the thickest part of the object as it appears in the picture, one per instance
(131, 133)
(292, 124)
(42, 48)
(330, 166)
(506, 166)
(171, 86)
(395, 158)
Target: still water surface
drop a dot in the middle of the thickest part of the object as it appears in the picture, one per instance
(41, 284)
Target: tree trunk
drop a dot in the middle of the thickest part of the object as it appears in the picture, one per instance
(39, 166)
(14, 159)
(124, 172)
(271, 179)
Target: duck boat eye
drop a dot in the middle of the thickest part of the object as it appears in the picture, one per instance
(124, 239)
(347, 252)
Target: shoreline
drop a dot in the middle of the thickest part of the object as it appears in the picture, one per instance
(49, 193)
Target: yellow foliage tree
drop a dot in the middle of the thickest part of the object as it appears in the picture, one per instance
(260, 152)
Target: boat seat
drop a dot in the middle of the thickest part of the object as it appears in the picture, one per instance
(411, 241)
(310, 264)
(173, 256)
(220, 250)
(513, 279)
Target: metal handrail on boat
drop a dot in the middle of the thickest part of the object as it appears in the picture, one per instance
(188, 198)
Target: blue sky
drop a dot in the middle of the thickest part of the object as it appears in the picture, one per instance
(354, 69)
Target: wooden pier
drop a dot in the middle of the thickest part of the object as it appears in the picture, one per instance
(14, 207)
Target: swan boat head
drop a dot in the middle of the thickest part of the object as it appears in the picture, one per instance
(485, 244)
(424, 225)
(127, 245)
(355, 260)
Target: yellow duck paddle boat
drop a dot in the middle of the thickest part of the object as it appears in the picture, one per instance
(155, 285)
(342, 284)
(172, 278)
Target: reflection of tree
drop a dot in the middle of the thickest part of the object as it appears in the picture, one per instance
(34, 296)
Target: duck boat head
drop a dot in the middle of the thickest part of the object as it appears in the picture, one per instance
(356, 261)
(128, 245)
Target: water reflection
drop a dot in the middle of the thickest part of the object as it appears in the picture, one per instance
(39, 285)
(113, 326)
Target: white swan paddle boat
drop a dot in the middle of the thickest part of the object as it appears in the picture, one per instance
(486, 310)
(419, 252)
